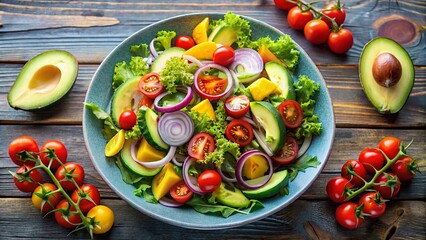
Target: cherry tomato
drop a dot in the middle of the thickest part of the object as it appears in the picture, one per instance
(89, 195)
(27, 181)
(374, 205)
(200, 144)
(372, 159)
(58, 148)
(239, 131)
(102, 217)
(316, 31)
(291, 112)
(150, 85)
(146, 101)
(67, 172)
(18, 146)
(341, 41)
(209, 180)
(352, 167)
(288, 153)
(334, 11)
(297, 18)
(44, 197)
(405, 168)
(180, 192)
(390, 146)
(223, 55)
(337, 188)
(127, 119)
(284, 5)
(211, 87)
(388, 185)
(237, 106)
(66, 211)
(349, 215)
(185, 42)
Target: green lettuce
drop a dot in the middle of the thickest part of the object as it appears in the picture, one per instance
(137, 67)
(240, 25)
(176, 72)
(140, 50)
(109, 129)
(164, 40)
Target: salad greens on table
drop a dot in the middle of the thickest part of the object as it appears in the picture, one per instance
(216, 121)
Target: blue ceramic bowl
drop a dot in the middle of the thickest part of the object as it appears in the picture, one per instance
(100, 92)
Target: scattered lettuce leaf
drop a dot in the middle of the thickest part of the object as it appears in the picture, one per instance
(127, 176)
(164, 40)
(176, 72)
(137, 67)
(142, 190)
(240, 25)
(304, 162)
(140, 50)
(109, 128)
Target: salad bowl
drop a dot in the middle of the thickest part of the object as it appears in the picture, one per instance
(100, 92)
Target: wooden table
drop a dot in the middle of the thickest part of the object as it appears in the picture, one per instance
(91, 29)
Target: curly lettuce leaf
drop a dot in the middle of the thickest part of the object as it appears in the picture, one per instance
(109, 128)
(240, 25)
(164, 40)
(176, 72)
(140, 50)
(137, 67)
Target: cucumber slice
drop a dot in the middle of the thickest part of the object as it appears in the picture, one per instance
(126, 97)
(160, 62)
(277, 182)
(282, 78)
(134, 167)
(231, 198)
(149, 127)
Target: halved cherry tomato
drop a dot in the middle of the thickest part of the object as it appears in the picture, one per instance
(291, 112)
(211, 86)
(224, 55)
(180, 192)
(288, 152)
(209, 180)
(150, 85)
(237, 106)
(200, 144)
(58, 148)
(127, 119)
(239, 131)
(185, 42)
(18, 146)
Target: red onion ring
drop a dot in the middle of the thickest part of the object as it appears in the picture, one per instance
(155, 164)
(247, 119)
(305, 145)
(252, 63)
(240, 164)
(175, 128)
(168, 202)
(152, 49)
(220, 68)
(190, 181)
(223, 176)
(185, 101)
(262, 142)
(192, 59)
(176, 160)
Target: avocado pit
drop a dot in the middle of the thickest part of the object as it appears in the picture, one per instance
(45, 79)
(387, 70)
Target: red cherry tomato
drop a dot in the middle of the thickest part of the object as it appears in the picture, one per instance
(209, 180)
(316, 31)
(374, 205)
(150, 85)
(352, 167)
(297, 18)
(65, 211)
(372, 159)
(390, 146)
(18, 146)
(44, 197)
(334, 11)
(237, 106)
(224, 55)
(349, 215)
(341, 41)
(180, 192)
(239, 131)
(67, 172)
(211, 87)
(200, 144)
(127, 119)
(27, 182)
(405, 168)
(337, 188)
(291, 112)
(87, 191)
(185, 42)
(284, 5)
(288, 153)
(58, 148)
(388, 185)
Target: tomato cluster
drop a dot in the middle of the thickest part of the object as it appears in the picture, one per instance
(377, 174)
(319, 26)
(73, 202)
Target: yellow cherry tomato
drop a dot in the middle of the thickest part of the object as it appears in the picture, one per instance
(44, 199)
(103, 217)
(115, 144)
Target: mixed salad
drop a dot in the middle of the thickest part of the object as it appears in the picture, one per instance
(215, 120)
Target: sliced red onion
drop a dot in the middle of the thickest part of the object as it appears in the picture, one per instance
(220, 68)
(247, 119)
(185, 101)
(223, 176)
(178, 160)
(155, 164)
(152, 49)
(190, 181)
(240, 164)
(305, 145)
(252, 63)
(192, 59)
(168, 202)
(262, 142)
(175, 128)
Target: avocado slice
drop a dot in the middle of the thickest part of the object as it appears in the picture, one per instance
(232, 198)
(386, 73)
(43, 80)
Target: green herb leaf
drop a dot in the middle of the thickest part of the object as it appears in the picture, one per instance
(306, 161)
(109, 129)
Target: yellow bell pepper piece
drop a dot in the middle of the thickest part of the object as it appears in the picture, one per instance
(147, 153)
(205, 107)
(262, 88)
(164, 180)
(199, 34)
(115, 144)
(202, 51)
(255, 166)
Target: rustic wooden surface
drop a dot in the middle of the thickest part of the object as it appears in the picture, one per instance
(91, 29)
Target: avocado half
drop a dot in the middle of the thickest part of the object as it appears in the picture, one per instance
(43, 80)
(387, 96)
